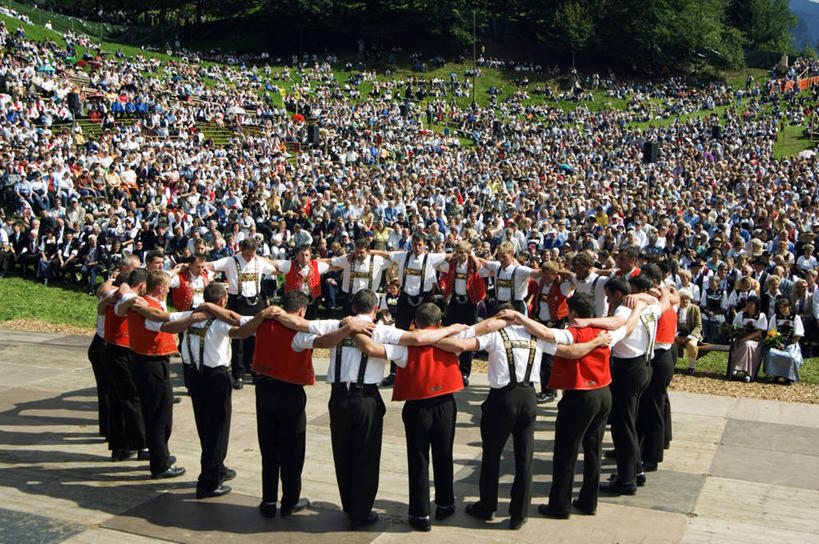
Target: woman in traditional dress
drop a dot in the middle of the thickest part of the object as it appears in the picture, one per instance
(784, 362)
(747, 351)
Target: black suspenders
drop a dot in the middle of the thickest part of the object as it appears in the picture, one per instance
(510, 346)
(362, 364)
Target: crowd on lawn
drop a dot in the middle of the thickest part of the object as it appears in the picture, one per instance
(732, 226)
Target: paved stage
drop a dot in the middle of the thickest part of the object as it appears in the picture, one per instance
(739, 470)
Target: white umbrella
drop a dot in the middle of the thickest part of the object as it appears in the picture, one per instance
(806, 154)
(235, 110)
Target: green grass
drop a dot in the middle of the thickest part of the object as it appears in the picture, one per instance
(791, 141)
(714, 364)
(21, 299)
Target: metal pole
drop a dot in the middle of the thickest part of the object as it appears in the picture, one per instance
(474, 58)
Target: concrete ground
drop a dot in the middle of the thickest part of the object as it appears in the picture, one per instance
(739, 470)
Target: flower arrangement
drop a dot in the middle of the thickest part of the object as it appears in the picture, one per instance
(774, 339)
(731, 332)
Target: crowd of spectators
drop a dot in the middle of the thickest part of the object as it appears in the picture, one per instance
(717, 204)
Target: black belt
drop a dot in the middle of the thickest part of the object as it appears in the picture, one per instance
(511, 386)
(416, 300)
(205, 368)
(250, 301)
(353, 388)
(625, 360)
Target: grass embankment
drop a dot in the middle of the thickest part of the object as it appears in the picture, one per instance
(56, 303)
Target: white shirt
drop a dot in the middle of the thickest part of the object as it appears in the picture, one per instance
(514, 272)
(251, 286)
(461, 270)
(217, 343)
(760, 323)
(412, 282)
(641, 339)
(543, 305)
(498, 363)
(796, 322)
(197, 284)
(351, 357)
(362, 269)
(815, 303)
(284, 268)
(598, 283)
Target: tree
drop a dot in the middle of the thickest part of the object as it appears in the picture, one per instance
(765, 24)
(574, 26)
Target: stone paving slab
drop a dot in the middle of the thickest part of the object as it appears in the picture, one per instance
(739, 470)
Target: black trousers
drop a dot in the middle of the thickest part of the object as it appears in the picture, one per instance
(356, 425)
(241, 359)
(651, 414)
(406, 311)
(630, 378)
(667, 413)
(430, 423)
(127, 426)
(346, 303)
(211, 390)
(96, 355)
(152, 379)
(581, 420)
(466, 313)
(281, 425)
(510, 410)
(492, 306)
(547, 359)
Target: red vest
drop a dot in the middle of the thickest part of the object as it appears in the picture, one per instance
(667, 327)
(430, 372)
(475, 287)
(116, 328)
(293, 279)
(555, 299)
(632, 274)
(182, 296)
(589, 372)
(274, 357)
(145, 342)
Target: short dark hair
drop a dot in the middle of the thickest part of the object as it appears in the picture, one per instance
(632, 252)
(618, 285)
(303, 247)
(362, 243)
(652, 272)
(364, 301)
(417, 235)
(153, 254)
(199, 257)
(641, 283)
(427, 315)
(582, 304)
(293, 301)
(248, 244)
(214, 292)
(137, 276)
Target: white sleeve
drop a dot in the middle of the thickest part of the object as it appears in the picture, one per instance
(126, 297)
(815, 303)
(397, 354)
(487, 341)
(798, 328)
(548, 348)
(622, 311)
(562, 336)
(174, 283)
(266, 267)
(566, 288)
(762, 322)
(323, 326)
(283, 266)
(322, 268)
(468, 333)
(303, 341)
(395, 256)
(220, 265)
(340, 261)
(617, 335)
(385, 334)
(436, 259)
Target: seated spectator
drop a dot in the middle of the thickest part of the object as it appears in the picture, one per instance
(783, 362)
(689, 328)
(747, 350)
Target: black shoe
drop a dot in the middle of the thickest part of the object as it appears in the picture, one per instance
(640, 480)
(177, 400)
(546, 510)
(172, 459)
(170, 472)
(218, 492)
(543, 398)
(300, 505)
(583, 508)
(476, 511)
(516, 523)
(122, 455)
(466, 380)
(420, 523)
(268, 509)
(388, 381)
(371, 518)
(443, 512)
(689, 371)
(610, 454)
(649, 466)
(616, 488)
(237, 384)
(228, 474)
